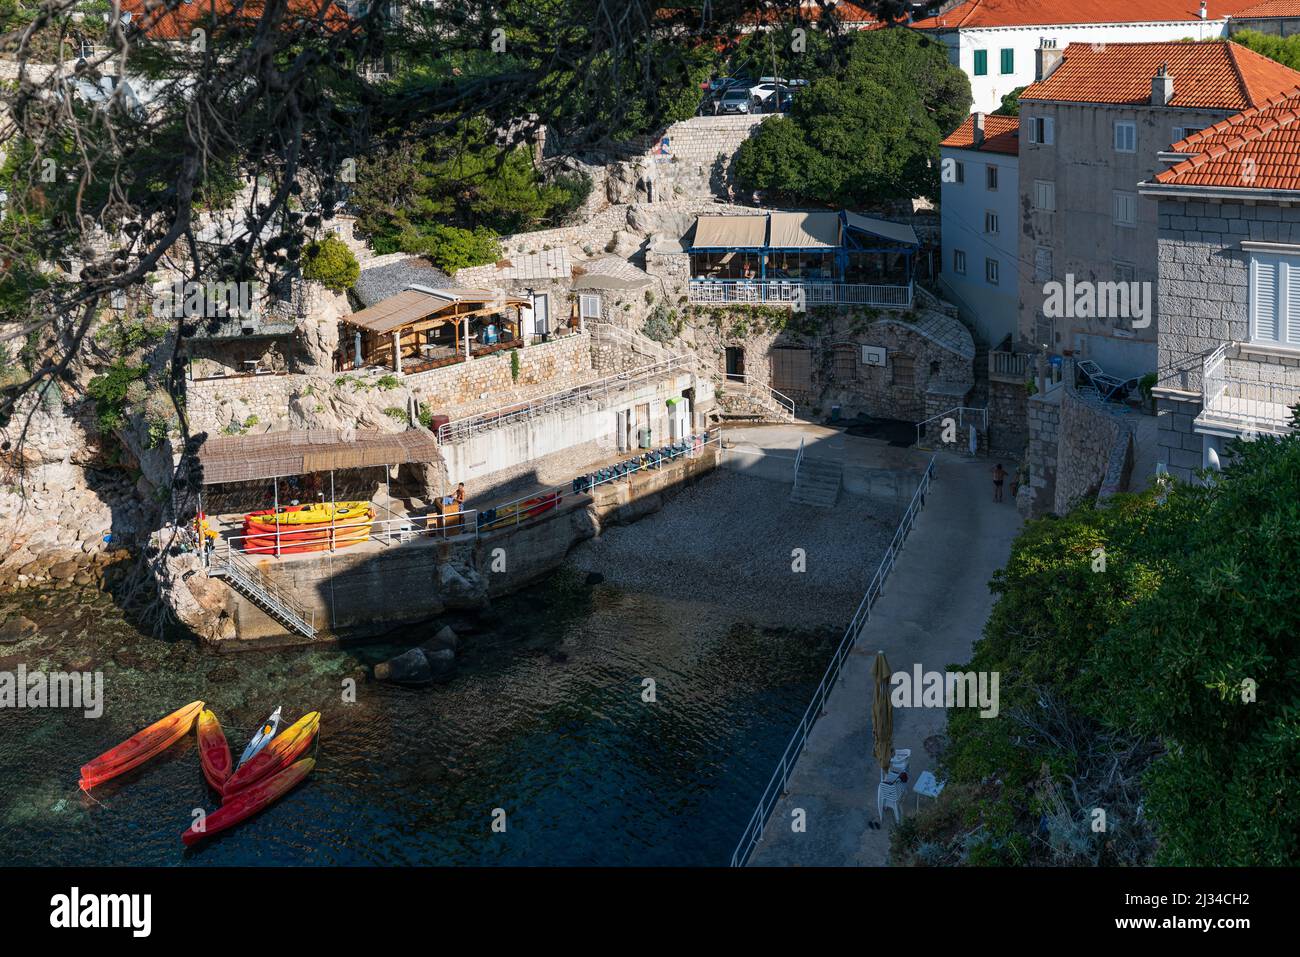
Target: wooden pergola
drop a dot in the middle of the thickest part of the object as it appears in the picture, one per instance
(422, 328)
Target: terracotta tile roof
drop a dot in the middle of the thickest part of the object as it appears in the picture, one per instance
(1001, 135)
(1270, 8)
(1256, 149)
(1217, 75)
(159, 23)
(1022, 13)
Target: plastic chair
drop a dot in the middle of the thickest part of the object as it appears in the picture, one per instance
(890, 796)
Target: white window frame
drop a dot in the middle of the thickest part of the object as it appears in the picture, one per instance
(1129, 199)
(1126, 143)
(959, 261)
(584, 301)
(1182, 132)
(1045, 195)
(992, 271)
(990, 222)
(991, 177)
(1285, 299)
(1042, 130)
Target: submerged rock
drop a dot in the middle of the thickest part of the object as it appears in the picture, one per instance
(445, 638)
(442, 663)
(409, 668)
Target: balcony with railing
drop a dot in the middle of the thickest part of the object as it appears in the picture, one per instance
(799, 293)
(1248, 389)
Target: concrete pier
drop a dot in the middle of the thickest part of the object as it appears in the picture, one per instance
(932, 610)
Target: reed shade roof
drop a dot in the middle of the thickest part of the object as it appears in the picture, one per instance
(249, 458)
(412, 305)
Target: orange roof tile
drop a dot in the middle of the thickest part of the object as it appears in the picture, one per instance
(1256, 149)
(1001, 135)
(1216, 75)
(177, 24)
(1270, 8)
(1023, 13)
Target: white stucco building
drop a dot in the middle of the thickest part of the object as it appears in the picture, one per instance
(979, 172)
(995, 41)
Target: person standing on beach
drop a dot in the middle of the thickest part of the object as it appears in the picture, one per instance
(999, 476)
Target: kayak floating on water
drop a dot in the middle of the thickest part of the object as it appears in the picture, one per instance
(249, 802)
(287, 748)
(263, 737)
(214, 750)
(140, 747)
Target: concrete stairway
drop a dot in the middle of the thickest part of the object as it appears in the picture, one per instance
(243, 576)
(817, 482)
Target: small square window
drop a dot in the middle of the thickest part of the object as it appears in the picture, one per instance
(1125, 137)
(1042, 130)
(1124, 207)
(960, 169)
(1044, 195)
(981, 62)
(991, 222)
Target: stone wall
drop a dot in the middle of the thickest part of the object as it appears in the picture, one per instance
(1043, 419)
(1181, 448)
(242, 403)
(1008, 410)
(696, 161)
(1094, 451)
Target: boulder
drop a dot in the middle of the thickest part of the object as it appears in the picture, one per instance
(16, 629)
(445, 638)
(409, 668)
(442, 663)
(64, 571)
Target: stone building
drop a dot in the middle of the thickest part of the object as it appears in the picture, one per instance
(1229, 260)
(1094, 126)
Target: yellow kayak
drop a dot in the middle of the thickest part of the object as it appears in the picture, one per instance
(316, 513)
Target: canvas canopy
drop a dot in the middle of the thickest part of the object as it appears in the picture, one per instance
(730, 232)
(883, 228)
(804, 231)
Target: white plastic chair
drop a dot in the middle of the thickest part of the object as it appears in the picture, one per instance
(891, 796)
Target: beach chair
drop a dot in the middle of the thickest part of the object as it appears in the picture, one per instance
(1108, 387)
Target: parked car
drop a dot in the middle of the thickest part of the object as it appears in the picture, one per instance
(733, 101)
(721, 84)
(770, 98)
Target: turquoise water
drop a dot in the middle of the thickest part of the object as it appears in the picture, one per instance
(545, 720)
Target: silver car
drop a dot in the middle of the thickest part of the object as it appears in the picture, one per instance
(734, 101)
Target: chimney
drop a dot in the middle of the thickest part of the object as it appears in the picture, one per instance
(1046, 59)
(977, 129)
(1162, 86)
(1204, 13)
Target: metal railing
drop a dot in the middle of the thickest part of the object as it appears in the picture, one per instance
(776, 787)
(798, 460)
(455, 526)
(1250, 403)
(765, 393)
(959, 414)
(798, 292)
(461, 429)
(249, 580)
(604, 330)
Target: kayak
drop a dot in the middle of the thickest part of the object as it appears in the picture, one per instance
(263, 737)
(140, 747)
(214, 750)
(510, 514)
(287, 748)
(245, 805)
(307, 528)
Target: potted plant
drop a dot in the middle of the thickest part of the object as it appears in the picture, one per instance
(1145, 385)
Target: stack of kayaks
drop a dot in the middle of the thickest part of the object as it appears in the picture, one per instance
(511, 514)
(273, 764)
(307, 528)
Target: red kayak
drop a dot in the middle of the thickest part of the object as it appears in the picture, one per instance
(286, 748)
(249, 802)
(140, 747)
(214, 750)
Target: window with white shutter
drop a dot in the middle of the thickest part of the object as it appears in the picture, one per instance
(1044, 195)
(589, 306)
(1275, 300)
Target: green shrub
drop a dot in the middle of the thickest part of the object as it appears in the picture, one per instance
(514, 365)
(387, 382)
(397, 415)
(451, 248)
(109, 393)
(331, 263)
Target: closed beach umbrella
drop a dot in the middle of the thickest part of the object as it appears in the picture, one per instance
(882, 713)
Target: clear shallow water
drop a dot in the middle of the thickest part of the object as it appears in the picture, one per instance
(545, 719)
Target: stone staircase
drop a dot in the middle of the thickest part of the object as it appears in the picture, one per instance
(817, 482)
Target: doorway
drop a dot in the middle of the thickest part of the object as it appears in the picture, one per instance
(735, 363)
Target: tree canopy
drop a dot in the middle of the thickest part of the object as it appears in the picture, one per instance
(865, 132)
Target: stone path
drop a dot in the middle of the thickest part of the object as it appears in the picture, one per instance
(933, 608)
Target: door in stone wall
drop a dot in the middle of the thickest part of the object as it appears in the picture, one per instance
(792, 371)
(906, 399)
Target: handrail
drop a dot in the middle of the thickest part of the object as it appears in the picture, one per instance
(781, 776)
(764, 390)
(401, 529)
(798, 460)
(230, 564)
(597, 388)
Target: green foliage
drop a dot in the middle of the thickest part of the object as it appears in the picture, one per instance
(1010, 103)
(387, 383)
(451, 248)
(109, 393)
(514, 365)
(1285, 50)
(866, 133)
(426, 416)
(397, 415)
(331, 263)
(664, 324)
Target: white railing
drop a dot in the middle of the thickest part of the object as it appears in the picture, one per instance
(1252, 403)
(776, 787)
(249, 580)
(765, 393)
(959, 414)
(604, 330)
(798, 460)
(1009, 366)
(797, 292)
(461, 429)
(288, 539)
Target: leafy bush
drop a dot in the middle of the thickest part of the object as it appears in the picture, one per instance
(387, 382)
(451, 248)
(514, 365)
(664, 324)
(109, 393)
(331, 263)
(397, 415)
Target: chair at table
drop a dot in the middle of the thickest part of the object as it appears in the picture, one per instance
(890, 796)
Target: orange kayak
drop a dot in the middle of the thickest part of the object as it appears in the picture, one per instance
(250, 802)
(214, 750)
(286, 748)
(139, 748)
